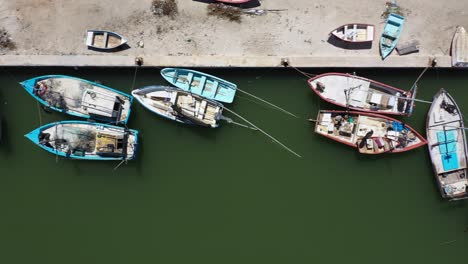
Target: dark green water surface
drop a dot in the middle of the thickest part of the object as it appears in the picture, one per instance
(226, 195)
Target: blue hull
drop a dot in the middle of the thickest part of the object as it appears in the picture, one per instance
(34, 137)
(200, 83)
(28, 85)
(391, 34)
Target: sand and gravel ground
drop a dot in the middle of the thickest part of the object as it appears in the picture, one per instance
(57, 27)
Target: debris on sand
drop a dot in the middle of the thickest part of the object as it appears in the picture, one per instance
(6, 42)
(392, 7)
(231, 13)
(164, 8)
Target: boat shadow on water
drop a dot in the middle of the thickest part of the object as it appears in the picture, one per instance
(348, 45)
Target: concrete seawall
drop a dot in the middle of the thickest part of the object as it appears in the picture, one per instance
(221, 61)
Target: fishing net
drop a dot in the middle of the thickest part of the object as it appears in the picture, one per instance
(76, 138)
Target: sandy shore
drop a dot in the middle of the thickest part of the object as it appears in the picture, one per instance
(45, 30)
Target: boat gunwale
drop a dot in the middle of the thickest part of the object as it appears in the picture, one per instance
(434, 168)
(38, 130)
(350, 41)
(309, 82)
(419, 136)
(30, 90)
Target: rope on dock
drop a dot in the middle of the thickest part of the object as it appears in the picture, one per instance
(266, 102)
(265, 133)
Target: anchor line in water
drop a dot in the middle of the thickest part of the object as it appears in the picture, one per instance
(263, 132)
(419, 77)
(308, 75)
(39, 113)
(230, 121)
(134, 77)
(266, 102)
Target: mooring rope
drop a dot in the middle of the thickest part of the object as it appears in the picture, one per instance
(308, 75)
(266, 102)
(265, 133)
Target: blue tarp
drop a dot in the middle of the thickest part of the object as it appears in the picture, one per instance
(397, 126)
(448, 149)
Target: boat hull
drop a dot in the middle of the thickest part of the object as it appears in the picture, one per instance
(200, 83)
(459, 48)
(103, 40)
(166, 102)
(361, 94)
(69, 148)
(391, 34)
(355, 33)
(117, 107)
(447, 146)
(352, 127)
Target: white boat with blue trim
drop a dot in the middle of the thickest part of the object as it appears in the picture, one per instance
(179, 105)
(447, 146)
(86, 141)
(80, 98)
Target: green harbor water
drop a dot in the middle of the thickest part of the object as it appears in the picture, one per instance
(226, 195)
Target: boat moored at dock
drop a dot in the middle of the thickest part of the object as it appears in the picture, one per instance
(179, 105)
(369, 133)
(80, 98)
(361, 94)
(447, 146)
(86, 140)
(201, 83)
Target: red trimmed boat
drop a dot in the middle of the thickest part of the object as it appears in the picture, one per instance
(368, 132)
(361, 94)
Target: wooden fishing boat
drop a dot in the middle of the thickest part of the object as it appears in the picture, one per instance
(447, 146)
(80, 98)
(104, 40)
(391, 34)
(369, 133)
(459, 48)
(86, 140)
(355, 33)
(201, 83)
(179, 105)
(362, 94)
(233, 1)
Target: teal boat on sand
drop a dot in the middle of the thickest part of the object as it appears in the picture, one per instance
(200, 83)
(391, 34)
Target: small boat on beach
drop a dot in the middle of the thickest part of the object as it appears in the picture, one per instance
(104, 40)
(179, 105)
(391, 34)
(233, 1)
(86, 140)
(355, 33)
(369, 133)
(459, 48)
(447, 146)
(80, 98)
(200, 83)
(361, 94)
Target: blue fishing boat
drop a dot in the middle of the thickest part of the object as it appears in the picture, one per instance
(80, 98)
(391, 34)
(179, 105)
(86, 140)
(200, 83)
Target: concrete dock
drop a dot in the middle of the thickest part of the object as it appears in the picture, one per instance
(52, 32)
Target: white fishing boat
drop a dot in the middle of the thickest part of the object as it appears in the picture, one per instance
(355, 33)
(447, 146)
(459, 48)
(104, 40)
(179, 105)
(361, 94)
